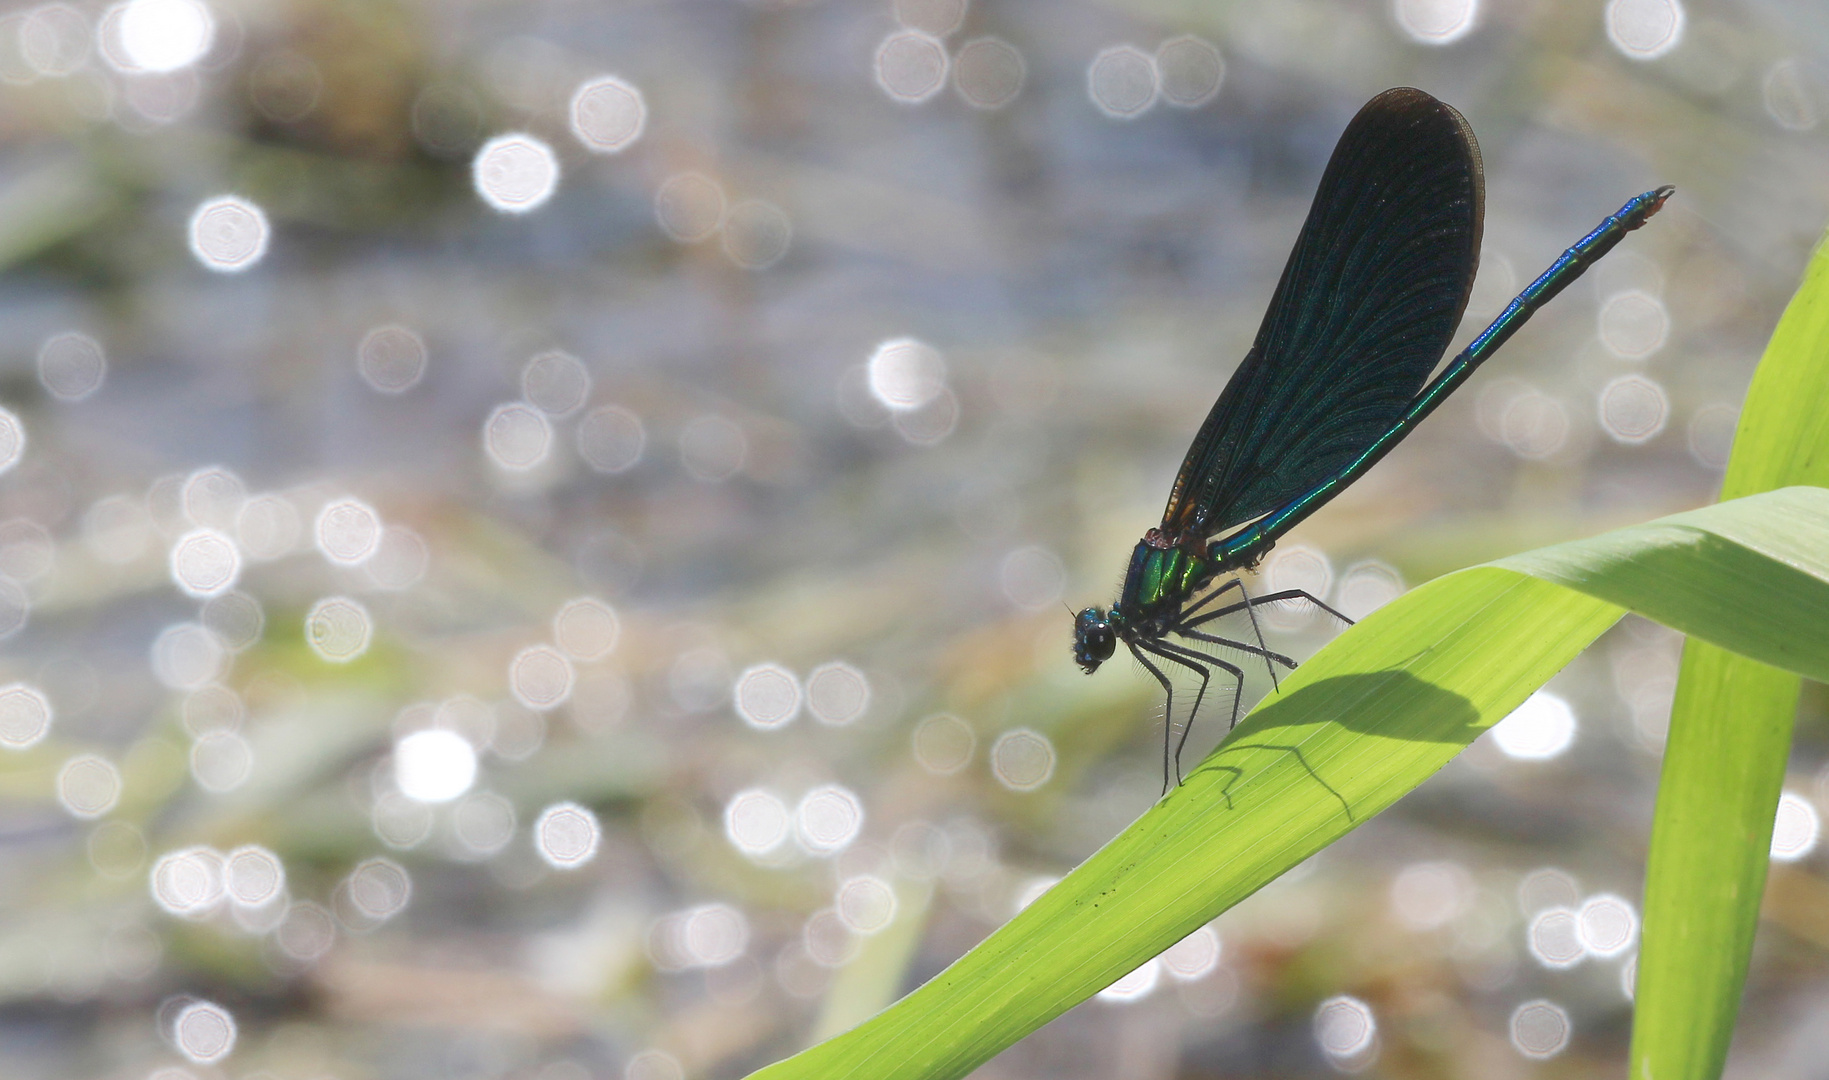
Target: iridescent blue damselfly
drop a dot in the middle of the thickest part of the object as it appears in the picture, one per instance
(1368, 301)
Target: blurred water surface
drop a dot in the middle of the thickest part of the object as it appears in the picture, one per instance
(533, 536)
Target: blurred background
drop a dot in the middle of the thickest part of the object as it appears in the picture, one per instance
(534, 537)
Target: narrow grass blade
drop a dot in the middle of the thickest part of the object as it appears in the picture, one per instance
(1364, 721)
(1730, 737)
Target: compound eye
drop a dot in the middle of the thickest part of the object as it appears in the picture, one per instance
(1101, 642)
(1096, 639)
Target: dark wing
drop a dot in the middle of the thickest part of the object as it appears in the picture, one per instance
(1371, 295)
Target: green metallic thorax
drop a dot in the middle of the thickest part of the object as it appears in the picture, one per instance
(1158, 578)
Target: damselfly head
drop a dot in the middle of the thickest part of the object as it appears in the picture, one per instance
(1093, 639)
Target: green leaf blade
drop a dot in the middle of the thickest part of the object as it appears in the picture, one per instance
(1360, 724)
(1730, 734)
(1730, 739)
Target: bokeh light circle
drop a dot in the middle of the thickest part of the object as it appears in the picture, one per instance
(268, 527)
(1135, 985)
(1634, 324)
(188, 883)
(712, 935)
(1345, 1029)
(1032, 577)
(1645, 29)
(515, 173)
(116, 850)
(1633, 409)
(1540, 1029)
(434, 766)
(253, 876)
(944, 744)
(689, 207)
(608, 114)
(1790, 99)
(235, 617)
(229, 234)
(1022, 759)
(611, 439)
(517, 437)
(541, 677)
(71, 366)
(15, 607)
(25, 716)
(1193, 957)
(52, 39)
(165, 35)
(866, 904)
(213, 497)
(936, 17)
(1436, 22)
(566, 835)
(483, 823)
(378, 889)
(1554, 938)
(204, 1032)
(221, 761)
(757, 234)
(285, 86)
(1296, 567)
(1429, 895)
(187, 656)
(27, 550)
(989, 73)
(556, 383)
(1191, 70)
(713, 448)
(586, 628)
(12, 439)
(911, 66)
(828, 819)
(1538, 730)
(88, 786)
(1365, 587)
(205, 563)
(338, 629)
(400, 561)
(905, 374)
(391, 359)
(1534, 426)
(400, 822)
(757, 822)
(347, 532)
(1795, 829)
(767, 696)
(1608, 925)
(1123, 82)
(837, 693)
(306, 933)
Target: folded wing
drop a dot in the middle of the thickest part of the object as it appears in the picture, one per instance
(1367, 304)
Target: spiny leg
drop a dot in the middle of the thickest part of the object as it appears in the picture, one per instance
(1184, 626)
(1190, 659)
(1211, 639)
(1238, 690)
(1233, 583)
(1269, 598)
(1249, 606)
(1258, 632)
(1242, 646)
(1168, 710)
